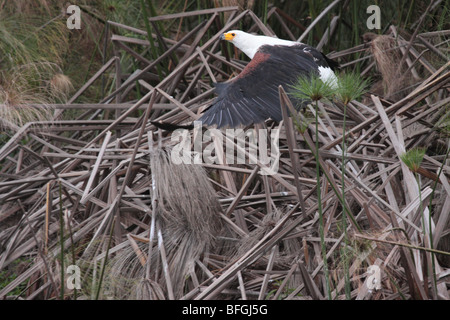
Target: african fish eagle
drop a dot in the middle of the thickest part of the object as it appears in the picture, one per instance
(252, 96)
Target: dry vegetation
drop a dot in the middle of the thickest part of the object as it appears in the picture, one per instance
(100, 190)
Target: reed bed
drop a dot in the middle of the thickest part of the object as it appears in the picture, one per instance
(103, 193)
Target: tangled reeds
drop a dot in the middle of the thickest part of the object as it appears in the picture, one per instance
(102, 193)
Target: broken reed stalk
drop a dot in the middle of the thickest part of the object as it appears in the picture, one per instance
(344, 211)
(413, 37)
(319, 202)
(290, 137)
(61, 240)
(105, 259)
(402, 244)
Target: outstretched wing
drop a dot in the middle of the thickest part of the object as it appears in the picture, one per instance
(252, 96)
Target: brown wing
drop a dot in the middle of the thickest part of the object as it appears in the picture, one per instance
(252, 96)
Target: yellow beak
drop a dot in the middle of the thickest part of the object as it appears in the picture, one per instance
(227, 36)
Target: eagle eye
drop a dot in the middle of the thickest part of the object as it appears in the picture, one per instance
(233, 34)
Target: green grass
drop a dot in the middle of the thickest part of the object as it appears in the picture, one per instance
(10, 274)
(314, 89)
(350, 86)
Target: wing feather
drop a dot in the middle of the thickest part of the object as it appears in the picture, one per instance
(252, 96)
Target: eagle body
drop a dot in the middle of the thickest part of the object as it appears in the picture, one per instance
(252, 97)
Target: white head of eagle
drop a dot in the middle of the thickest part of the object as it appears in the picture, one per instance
(250, 43)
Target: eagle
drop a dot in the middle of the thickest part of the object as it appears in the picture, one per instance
(252, 97)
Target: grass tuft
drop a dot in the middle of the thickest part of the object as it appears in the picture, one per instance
(350, 87)
(27, 91)
(312, 88)
(413, 158)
